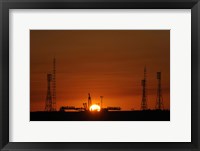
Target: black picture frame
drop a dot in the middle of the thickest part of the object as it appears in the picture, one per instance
(5, 5)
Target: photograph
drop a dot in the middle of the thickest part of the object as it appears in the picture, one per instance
(100, 75)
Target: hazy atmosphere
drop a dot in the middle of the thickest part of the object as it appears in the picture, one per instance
(108, 63)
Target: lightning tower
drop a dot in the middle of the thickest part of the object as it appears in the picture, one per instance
(54, 85)
(144, 92)
(48, 103)
(159, 101)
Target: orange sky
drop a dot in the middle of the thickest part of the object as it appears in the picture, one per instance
(107, 63)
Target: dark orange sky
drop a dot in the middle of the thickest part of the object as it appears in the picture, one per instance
(107, 63)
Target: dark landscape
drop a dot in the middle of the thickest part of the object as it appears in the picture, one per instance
(148, 115)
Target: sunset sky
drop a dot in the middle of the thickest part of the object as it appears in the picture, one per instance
(108, 63)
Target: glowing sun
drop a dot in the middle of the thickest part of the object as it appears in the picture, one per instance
(95, 107)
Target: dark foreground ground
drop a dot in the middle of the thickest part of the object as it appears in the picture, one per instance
(150, 115)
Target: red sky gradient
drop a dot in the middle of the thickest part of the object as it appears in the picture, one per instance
(107, 63)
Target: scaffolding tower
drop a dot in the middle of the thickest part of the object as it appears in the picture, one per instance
(144, 92)
(48, 103)
(159, 101)
(54, 85)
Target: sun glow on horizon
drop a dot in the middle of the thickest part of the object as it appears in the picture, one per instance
(95, 107)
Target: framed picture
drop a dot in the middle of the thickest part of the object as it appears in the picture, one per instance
(99, 74)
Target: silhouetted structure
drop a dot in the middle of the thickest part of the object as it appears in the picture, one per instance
(144, 92)
(48, 103)
(85, 106)
(54, 85)
(65, 108)
(101, 101)
(89, 101)
(159, 101)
